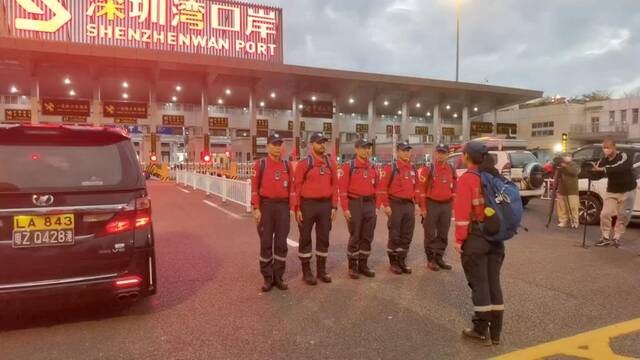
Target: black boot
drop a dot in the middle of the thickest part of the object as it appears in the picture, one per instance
(322, 269)
(307, 275)
(279, 283)
(268, 284)
(393, 264)
(442, 264)
(363, 268)
(479, 334)
(353, 268)
(402, 258)
(495, 327)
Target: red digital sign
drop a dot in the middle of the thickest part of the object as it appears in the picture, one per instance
(206, 27)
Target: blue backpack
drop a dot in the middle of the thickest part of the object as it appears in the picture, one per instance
(503, 196)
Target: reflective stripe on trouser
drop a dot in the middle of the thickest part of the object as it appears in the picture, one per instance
(316, 213)
(436, 228)
(361, 228)
(401, 225)
(273, 230)
(482, 261)
(620, 205)
(568, 209)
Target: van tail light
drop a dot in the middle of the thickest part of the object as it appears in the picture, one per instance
(136, 215)
(128, 282)
(506, 169)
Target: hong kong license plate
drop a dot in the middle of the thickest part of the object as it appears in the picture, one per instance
(47, 230)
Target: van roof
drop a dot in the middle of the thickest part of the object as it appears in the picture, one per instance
(60, 134)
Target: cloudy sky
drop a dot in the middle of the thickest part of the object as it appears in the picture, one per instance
(563, 47)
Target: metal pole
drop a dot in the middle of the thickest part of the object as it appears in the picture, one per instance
(457, 39)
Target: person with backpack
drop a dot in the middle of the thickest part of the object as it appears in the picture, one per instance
(357, 188)
(436, 191)
(396, 196)
(488, 210)
(315, 201)
(270, 197)
(617, 166)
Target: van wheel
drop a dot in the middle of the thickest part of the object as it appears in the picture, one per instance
(590, 208)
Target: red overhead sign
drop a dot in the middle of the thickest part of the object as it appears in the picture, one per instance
(207, 27)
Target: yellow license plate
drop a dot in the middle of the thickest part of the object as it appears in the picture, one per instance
(45, 222)
(46, 230)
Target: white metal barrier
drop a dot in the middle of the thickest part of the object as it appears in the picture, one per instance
(236, 191)
(548, 189)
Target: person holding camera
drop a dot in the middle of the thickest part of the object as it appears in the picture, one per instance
(621, 193)
(568, 203)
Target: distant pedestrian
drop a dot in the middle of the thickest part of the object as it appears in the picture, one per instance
(621, 193)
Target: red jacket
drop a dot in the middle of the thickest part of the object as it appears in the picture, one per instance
(403, 186)
(276, 182)
(360, 182)
(468, 204)
(441, 186)
(321, 182)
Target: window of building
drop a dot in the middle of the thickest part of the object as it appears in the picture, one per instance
(623, 116)
(612, 117)
(542, 129)
(634, 116)
(595, 124)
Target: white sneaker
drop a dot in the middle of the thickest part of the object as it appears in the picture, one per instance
(563, 225)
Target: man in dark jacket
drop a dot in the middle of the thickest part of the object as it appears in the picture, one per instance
(621, 192)
(568, 200)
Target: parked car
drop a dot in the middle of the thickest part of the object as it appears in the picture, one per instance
(514, 162)
(75, 215)
(591, 199)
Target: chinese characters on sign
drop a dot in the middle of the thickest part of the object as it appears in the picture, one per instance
(317, 109)
(125, 121)
(113, 109)
(18, 116)
(448, 131)
(173, 120)
(74, 119)
(422, 130)
(218, 123)
(390, 129)
(362, 128)
(481, 128)
(327, 128)
(262, 124)
(64, 107)
(507, 129)
(207, 27)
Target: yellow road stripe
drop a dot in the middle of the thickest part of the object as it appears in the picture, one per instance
(590, 345)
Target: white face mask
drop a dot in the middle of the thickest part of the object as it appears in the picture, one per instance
(567, 159)
(608, 152)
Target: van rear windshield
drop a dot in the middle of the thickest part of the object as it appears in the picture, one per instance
(33, 167)
(521, 159)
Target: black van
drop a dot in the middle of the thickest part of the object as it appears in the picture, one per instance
(75, 215)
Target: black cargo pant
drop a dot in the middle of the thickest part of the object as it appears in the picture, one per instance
(401, 225)
(361, 227)
(273, 230)
(318, 213)
(482, 261)
(436, 228)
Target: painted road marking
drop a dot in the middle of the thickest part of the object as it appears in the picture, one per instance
(233, 215)
(184, 190)
(292, 243)
(590, 345)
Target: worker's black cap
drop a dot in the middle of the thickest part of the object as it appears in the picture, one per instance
(476, 150)
(442, 148)
(361, 143)
(275, 139)
(403, 146)
(319, 137)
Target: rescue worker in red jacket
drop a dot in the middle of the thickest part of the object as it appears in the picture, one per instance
(357, 187)
(436, 190)
(396, 192)
(481, 259)
(315, 201)
(271, 186)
